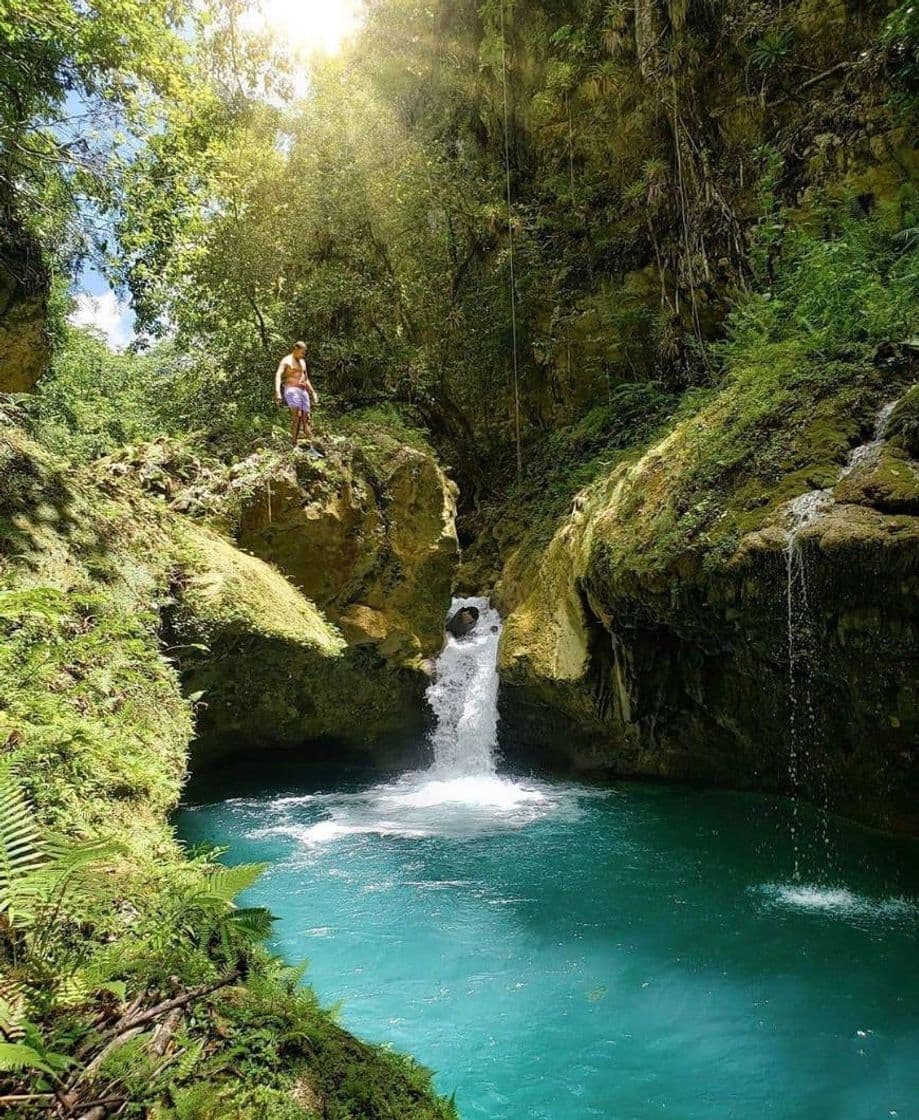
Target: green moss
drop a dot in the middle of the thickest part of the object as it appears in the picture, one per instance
(223, 589)
(92, 708)
(903, 427)
(380, 430)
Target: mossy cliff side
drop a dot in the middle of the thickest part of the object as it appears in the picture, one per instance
(650, 637)
(100, 587)
(321, 619)
(25, 348)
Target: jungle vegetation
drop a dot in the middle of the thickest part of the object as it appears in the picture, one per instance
(537, 231)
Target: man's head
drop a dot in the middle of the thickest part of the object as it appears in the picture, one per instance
(299, 349)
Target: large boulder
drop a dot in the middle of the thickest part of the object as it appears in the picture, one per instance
(265, 664)
(369, 536)
(309, 593)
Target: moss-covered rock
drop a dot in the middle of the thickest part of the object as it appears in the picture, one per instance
(25, 348)
(367, 532)
(265, 664)
(651, 635)
(321, 624)
(903, 427)
(887, 480)
(370, 537)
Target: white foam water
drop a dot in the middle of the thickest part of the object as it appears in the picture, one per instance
(837, 901)
(867, 453)
(460, 794)
(464, 697)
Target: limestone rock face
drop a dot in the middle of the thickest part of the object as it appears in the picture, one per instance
(310, 593)
(371, 539)
(651, 636)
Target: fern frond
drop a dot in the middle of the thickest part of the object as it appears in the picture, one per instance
(16, 1056)
(74, 991)
(225, 883)
(13, 1007)
(22, 849)
(253, 921)
(186, 1064)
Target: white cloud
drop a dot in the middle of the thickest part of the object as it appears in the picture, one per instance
(107, 314)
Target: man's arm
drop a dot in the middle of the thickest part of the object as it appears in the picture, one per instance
(277, 380)
(308, 385)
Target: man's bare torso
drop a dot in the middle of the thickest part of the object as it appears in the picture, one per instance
(293, 370)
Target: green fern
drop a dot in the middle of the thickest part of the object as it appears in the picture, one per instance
(13, 1008)
(225, 883)
(16, 1056)
(22, 850)
(254, 922)
(188, 1061)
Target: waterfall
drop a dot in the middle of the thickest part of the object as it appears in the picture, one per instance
(867, 453)
(460, 794)
(802, 512)
(803, 724)
(464, 697)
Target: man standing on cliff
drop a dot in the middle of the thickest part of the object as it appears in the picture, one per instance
(292, 386)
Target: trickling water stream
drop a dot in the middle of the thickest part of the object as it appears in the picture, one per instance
(556, 952)
(805, 749)
(803, 744)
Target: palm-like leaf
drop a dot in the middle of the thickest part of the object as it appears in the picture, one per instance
(253, 921)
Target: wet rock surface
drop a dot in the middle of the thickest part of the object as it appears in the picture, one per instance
(463, 622)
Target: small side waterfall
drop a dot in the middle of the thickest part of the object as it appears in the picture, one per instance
(866, 453)
(464, 697)
(804, 729)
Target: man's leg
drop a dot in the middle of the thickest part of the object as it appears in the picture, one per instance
(307, 425)
(294, 426)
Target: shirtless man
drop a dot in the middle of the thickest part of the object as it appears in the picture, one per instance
(292, 387)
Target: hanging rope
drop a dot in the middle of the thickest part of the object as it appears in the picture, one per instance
(510, 242)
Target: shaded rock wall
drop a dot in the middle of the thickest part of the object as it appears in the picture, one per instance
(24, 344)
(268, 666)
(639, 646)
